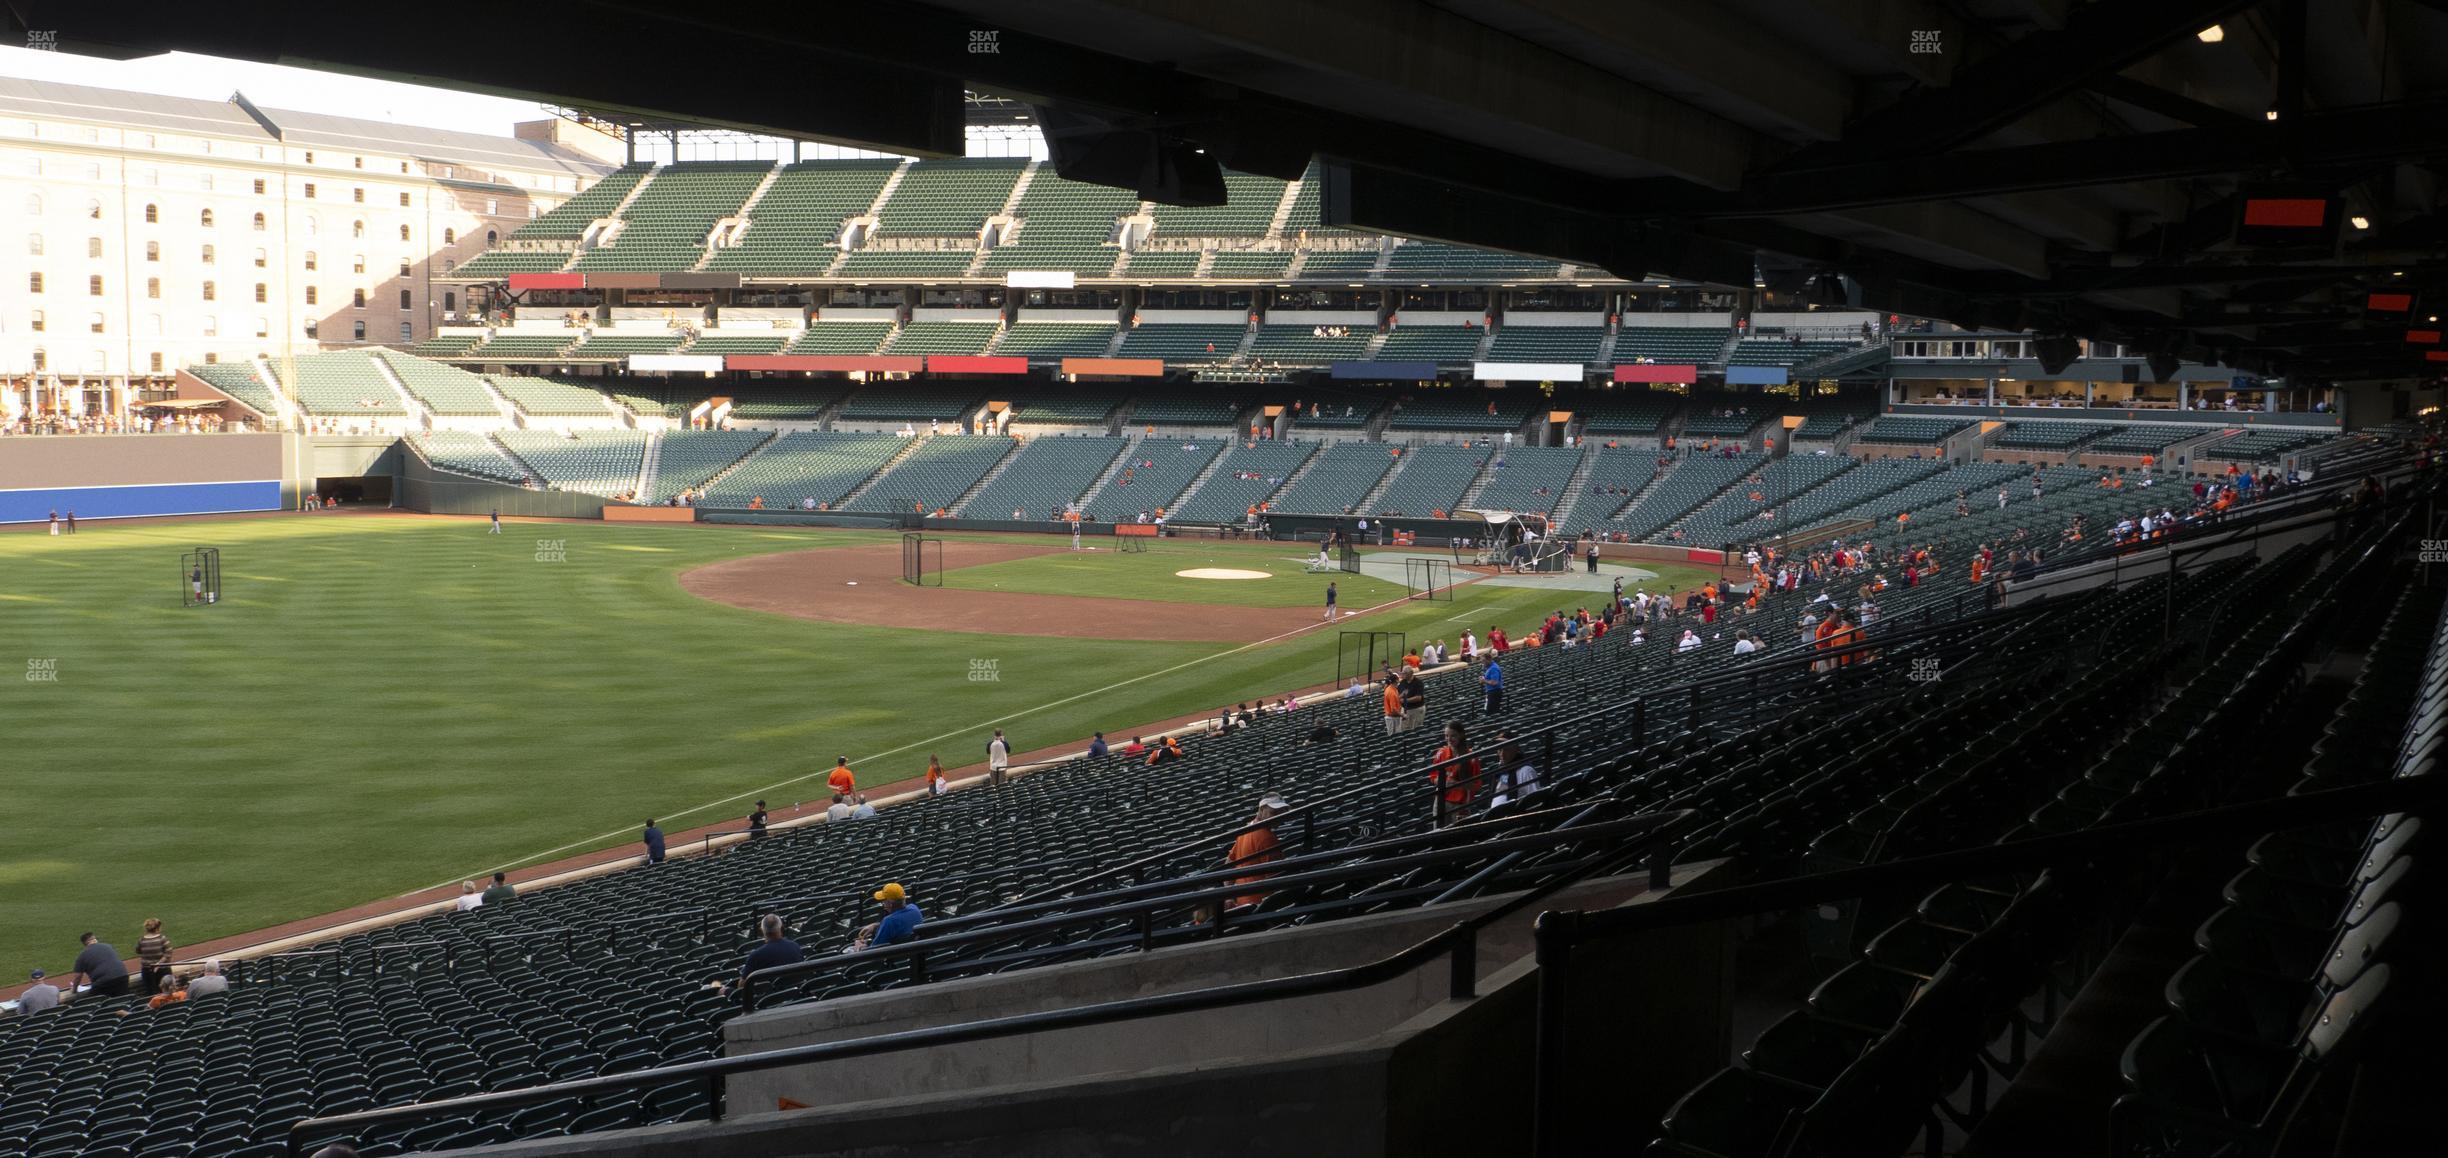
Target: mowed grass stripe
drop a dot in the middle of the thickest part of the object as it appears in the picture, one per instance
(390, 702)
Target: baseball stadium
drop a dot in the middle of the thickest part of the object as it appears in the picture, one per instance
(1775, 580)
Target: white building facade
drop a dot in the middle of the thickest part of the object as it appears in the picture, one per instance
(142, 233)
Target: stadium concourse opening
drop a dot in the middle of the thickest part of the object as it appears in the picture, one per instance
(365, 490)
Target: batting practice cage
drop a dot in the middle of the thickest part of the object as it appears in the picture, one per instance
(200, 577)
(921, 561)
(1429, 578)
(1360, 653)
(1510, 541)
(1350, 557)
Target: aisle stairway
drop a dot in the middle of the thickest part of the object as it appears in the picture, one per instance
(647, 465)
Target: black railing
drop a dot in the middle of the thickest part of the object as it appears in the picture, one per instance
(858, 897)
(1208, 895)
(1459, 944)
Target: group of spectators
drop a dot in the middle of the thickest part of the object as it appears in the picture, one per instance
(101, 973)
(178, 423)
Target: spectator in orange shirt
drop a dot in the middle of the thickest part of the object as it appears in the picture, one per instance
(842, 780)
(1459, 781)
(1257, 846)
(174, 990)
(1393, 707)
(1165, 753)
(935, 777)
(1411, 660)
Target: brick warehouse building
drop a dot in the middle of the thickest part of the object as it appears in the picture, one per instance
(144, 233)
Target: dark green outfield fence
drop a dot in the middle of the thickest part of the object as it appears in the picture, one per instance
(422, 488)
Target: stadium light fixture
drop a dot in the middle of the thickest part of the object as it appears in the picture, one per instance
(2270, 115)
(2359, 221)
(2212, 34)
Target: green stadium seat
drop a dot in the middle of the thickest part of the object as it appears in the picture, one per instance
(605, 463)
(1338, 479)
(569, 220)
(686, 459)
(549, 397)
(1432, 479)
(1044, 477)
(1903, 431)
(943, 338)
(664, 228)
(339, 384)
(1515, 342)
(1183, 344)
(795, 229)
(240, 381)
(935, 474)
(443, 389)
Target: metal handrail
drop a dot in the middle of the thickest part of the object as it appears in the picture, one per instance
(1116, 898)
(1215, 886)
(1459, 940)
(860, 892)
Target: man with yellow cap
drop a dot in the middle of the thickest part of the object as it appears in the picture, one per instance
(900, 921)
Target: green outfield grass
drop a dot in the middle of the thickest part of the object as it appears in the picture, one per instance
(381, 704)
(1115, 574)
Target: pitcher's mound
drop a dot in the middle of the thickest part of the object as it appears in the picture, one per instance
(1221, 573)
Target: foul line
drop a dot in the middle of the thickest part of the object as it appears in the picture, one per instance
(753, 794)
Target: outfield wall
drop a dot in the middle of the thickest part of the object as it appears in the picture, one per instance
(119, 476)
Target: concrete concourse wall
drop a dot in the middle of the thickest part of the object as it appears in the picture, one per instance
(1286, 1026)
(1396, 1069)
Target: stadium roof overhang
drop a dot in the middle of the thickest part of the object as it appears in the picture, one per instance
(2075, 166)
